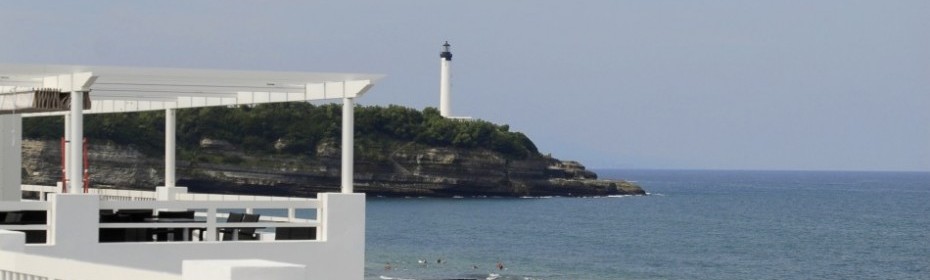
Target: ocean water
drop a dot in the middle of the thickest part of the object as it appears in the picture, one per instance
(694, 225)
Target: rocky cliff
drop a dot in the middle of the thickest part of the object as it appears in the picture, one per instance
(408, 170)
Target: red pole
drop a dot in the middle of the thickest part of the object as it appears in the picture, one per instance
(86, 168)
(64, 175)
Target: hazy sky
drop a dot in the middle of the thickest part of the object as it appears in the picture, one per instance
(821, 85)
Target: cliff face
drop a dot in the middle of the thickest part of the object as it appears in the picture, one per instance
(110, 165)
(409, 170)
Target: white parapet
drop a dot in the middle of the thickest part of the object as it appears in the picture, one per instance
(241, 270)
(73, 232)
(169, 192)
(12, 241)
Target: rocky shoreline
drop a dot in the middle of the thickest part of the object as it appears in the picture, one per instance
(409, 171)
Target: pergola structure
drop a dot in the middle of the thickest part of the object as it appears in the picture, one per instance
(46, 90)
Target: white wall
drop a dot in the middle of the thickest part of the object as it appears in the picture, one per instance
(340, 254)
(242, 270)
(11, 157)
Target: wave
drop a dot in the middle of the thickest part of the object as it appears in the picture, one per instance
(392, 278)
(538, 197)
(608, 196)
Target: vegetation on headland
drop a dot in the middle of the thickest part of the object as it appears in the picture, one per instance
(292, 128)
(294, 149)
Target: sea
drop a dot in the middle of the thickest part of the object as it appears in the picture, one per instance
(692, 225)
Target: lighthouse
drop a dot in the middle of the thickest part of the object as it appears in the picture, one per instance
(445, 83)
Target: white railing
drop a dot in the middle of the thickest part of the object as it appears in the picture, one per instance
(234, 197)
(24, 206)
(74, 233)
(123, 195)
(141, 199)
(13, 275)
(42, 190)
(212, 211)
(143, 195)
(105, 194)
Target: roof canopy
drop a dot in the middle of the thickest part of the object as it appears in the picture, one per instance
(126, 89)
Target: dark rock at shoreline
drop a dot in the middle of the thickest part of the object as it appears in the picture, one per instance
(410, 170)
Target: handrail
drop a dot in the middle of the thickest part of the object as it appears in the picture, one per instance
(39, 188)
(204, 225)
(136, 195)
(272, 218)
(195, 204)
(24, 206)
(24, 227)
(211, 224)
(236, 197)
(117, 194)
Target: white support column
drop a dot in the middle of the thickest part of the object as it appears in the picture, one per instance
(348, 144)
(75, 153)
(11, 155)
(170, 146)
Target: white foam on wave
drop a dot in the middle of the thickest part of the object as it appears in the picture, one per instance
(392, 278)
(493, 276)
(606, 196)
(537, 197)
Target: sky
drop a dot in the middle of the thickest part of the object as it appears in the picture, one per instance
(658, 84)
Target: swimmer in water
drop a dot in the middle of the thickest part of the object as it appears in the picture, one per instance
(500, 266)
(388, 266)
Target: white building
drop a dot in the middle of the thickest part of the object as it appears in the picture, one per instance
(110, 234)
(445, 83)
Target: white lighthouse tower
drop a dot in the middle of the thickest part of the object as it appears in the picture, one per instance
(445, 83)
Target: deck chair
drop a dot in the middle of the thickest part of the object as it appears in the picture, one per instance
(13, 218)
(175, 234)
(111, 234)
(249, 233)
(232, 218)
(295, 233)
(136, 216)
